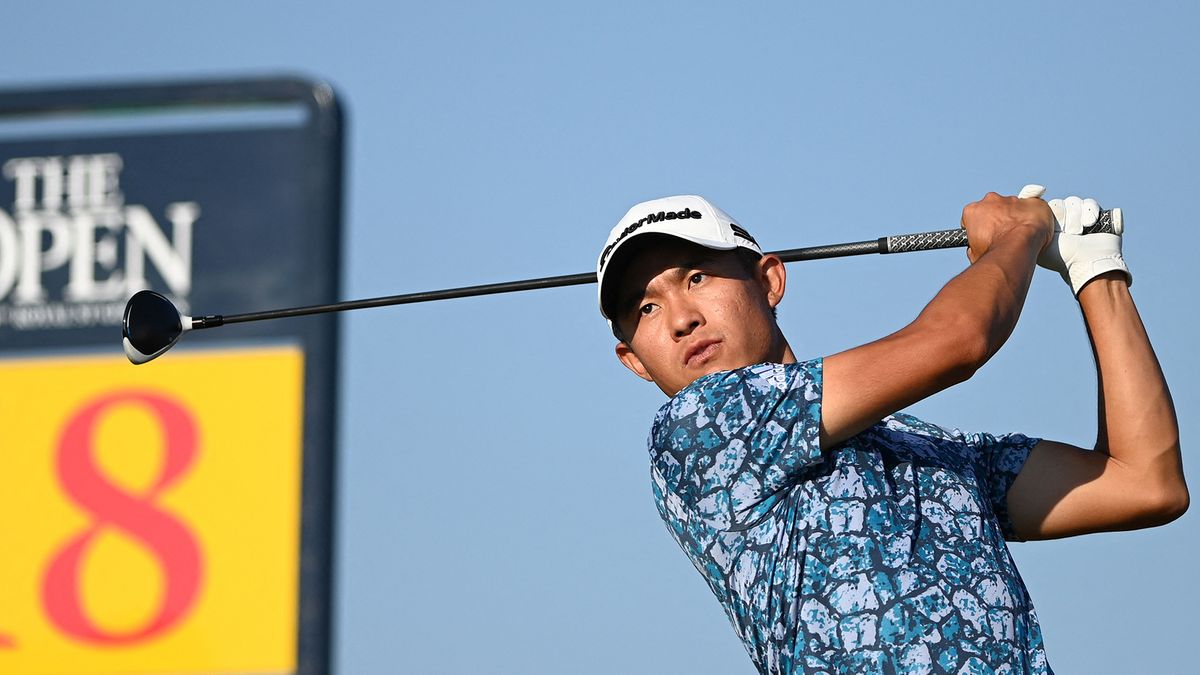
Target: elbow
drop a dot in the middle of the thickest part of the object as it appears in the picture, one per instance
(1172, 504)
(1166, 500)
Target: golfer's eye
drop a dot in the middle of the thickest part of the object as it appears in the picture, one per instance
(646, 309)
(698, 277)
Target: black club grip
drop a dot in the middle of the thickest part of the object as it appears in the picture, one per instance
(1108, 222)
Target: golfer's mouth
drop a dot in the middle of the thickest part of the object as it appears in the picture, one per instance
(701, 353)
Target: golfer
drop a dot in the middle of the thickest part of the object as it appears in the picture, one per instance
(840, 535)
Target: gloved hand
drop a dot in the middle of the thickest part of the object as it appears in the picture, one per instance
(1080, 257)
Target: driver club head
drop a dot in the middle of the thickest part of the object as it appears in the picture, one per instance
(151, 326)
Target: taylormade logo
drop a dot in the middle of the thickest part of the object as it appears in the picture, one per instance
(72, 250)
(649, 218)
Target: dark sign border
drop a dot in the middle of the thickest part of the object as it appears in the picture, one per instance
(324, 130)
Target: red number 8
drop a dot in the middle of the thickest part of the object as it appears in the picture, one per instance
(168, 539)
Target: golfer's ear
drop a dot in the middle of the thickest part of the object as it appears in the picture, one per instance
(773, 275)
(632, 362)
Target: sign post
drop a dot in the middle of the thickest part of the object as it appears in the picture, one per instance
(174, 517)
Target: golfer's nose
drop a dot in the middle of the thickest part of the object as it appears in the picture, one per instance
(685, 318)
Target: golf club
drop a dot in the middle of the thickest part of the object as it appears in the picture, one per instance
(152, 324)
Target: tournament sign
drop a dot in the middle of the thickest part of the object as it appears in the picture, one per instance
(173, 517)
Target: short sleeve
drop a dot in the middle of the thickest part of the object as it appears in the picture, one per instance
(998, 461)
(731, 442)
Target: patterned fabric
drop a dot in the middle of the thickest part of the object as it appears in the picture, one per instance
(883, 554)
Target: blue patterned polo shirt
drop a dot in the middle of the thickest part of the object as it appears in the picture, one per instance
(884, 554)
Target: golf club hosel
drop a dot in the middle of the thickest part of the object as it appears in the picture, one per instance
(210, 321)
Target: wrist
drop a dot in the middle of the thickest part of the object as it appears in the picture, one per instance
(1024, 238)
(1106, 287)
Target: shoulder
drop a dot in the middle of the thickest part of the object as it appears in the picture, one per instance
(751, 384)
(733, 398)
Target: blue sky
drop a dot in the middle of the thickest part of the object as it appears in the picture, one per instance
(495, 510)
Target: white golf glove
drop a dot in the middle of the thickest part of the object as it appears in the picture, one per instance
(1080, 257)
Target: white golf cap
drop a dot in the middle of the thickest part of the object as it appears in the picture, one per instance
(687, 217)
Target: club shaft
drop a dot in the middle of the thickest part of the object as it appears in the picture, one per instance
(789, 255)
(904, 243)
(407, 298)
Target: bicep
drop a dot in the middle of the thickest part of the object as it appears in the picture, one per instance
(1063, 490)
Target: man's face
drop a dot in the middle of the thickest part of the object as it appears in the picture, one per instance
(686, 311)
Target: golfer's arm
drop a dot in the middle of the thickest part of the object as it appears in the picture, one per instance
(1134, 478)
(956, 333)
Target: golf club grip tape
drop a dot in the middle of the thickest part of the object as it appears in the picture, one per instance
(924, 241)
(928, 241)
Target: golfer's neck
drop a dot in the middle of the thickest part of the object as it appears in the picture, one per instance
(784, 350)
(788, 356)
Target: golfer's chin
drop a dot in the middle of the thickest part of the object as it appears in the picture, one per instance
(715, 366)
(695, 372)
(690, 371)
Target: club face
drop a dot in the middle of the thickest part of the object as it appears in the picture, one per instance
(151, 326)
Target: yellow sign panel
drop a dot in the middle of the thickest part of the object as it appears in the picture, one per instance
(149, 516)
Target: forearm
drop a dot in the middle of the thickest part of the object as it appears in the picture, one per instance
(983, 303)
(1137, 423)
